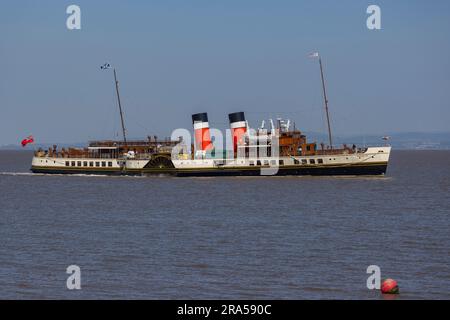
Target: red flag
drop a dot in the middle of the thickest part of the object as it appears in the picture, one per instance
(27, 140)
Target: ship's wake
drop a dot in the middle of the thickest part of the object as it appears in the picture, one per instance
(8, 173)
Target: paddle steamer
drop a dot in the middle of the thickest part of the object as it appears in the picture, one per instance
(279, 149)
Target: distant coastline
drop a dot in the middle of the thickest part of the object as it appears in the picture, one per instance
(399, 141)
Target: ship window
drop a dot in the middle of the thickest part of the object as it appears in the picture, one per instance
(319, 161)
(103, 163)
(312, 161)
(258, 163)
(281, 162)
(266, 162)
(252, 163)
(85, 163)
(109, 164)
(97, 164)
(304, 161)
(91, 163)
(67, 163)
(73, 163)
(308, 148)
(79, 163)
(296, 161)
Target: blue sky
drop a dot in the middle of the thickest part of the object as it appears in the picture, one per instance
(175, 58)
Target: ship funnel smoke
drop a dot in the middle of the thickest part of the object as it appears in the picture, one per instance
(201, 130)
(238, 128)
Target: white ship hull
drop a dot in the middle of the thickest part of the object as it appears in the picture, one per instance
(373, 161)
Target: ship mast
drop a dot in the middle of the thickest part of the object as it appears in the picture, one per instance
(120, 107)
(116, 82)
(325, 99)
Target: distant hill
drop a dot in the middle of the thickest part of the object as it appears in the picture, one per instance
(404, 140)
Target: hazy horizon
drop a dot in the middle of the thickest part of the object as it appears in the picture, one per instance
(175, 58)
(399, 140)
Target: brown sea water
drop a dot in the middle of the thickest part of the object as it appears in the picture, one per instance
(231, 238)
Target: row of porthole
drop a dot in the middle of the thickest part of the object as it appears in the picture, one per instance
(281, 162)
(88, 163)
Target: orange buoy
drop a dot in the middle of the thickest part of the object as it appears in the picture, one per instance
(389, 286)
